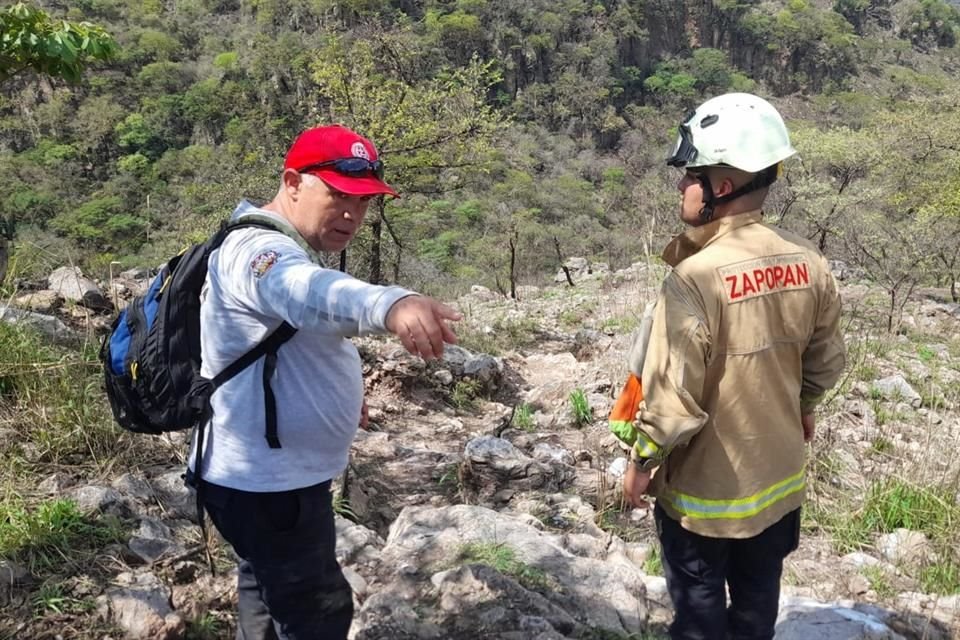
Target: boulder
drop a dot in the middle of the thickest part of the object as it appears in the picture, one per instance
(896, 388)
(603, 596)
(39, 301)
(53, 328)
(493, 464)
(69, 283)
(141, 607)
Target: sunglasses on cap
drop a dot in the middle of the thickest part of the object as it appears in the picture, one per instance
(353, 167)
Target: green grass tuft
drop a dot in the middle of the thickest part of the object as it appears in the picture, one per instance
(503, 559)
(580, 406)
(43, 537)
(523, 418)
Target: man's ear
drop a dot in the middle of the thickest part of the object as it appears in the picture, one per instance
(292, 182)
(725, 187)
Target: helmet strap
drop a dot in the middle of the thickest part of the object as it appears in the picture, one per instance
(761, 180)
(709, 200)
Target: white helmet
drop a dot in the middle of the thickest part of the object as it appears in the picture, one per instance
(740, 130)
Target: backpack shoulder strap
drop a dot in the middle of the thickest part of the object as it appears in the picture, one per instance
(266, 349)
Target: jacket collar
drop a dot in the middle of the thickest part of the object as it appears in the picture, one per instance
(697, 238)
(251, 212)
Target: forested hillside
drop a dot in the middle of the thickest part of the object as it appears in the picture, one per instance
(503, 123)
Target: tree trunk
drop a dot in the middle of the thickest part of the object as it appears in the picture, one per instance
(566, 271)
(892, 311)
(513, 266)
(376, 233)
(4, 258)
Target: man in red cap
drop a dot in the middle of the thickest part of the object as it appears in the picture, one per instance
(268, 493)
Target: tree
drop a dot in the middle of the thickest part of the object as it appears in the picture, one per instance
(30, 39)
(424, 129)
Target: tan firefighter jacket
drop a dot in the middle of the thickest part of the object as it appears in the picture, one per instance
(745, 338)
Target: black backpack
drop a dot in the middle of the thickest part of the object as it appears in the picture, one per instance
(151, 358)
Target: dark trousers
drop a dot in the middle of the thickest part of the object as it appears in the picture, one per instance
(698, 570)
(290, 586)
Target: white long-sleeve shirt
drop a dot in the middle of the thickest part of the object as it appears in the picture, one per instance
(257, 279)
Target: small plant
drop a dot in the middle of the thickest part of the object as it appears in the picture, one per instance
(44, 536)
(879, 581)
(895, 504)
(653, 565)
(582, 413)
(620, 324)
(464, 394)
(868, 373)
(523, 417)
(883, 415)
(204, 627)
(516, 333)
(341, 507)
(942, 578)
(503, 559)
(926, 354)
(881, 445)
(51, 598)
(449, 480)
(932, 400)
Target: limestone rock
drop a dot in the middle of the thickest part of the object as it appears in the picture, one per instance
(804, 619)
(600, 595)
(153, 541)
(905, 547)
(70, 283)
(141, 607)
(51, 327)
(895, 388)
(39, 301)
(178, 499)
(95, 499)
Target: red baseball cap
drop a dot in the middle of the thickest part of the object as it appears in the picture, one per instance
(335, 142)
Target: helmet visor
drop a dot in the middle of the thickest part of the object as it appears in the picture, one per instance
(685, 152)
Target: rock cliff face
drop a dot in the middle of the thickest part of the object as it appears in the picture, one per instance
(479, 506)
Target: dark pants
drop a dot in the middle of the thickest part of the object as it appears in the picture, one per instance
(290, 586)
(698, 569)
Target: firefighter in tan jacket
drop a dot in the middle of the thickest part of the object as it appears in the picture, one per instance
(744, 344)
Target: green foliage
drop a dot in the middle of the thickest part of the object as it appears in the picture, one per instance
(205, 627)
(653, 564)
(30, 39)
(879, 581)
(941, 578)
(101, 223)
(503, 559)
(48, 392)
(706, 72)
(523, 417)
(895, 504)
(465, 394)
(52, 599)
(580, 407)
(932, 23)
(881, 445)
(42, 536)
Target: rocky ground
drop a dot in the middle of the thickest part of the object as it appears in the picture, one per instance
(480, 505)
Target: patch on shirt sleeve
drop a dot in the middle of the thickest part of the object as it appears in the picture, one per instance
(773, 274)
(263, 263)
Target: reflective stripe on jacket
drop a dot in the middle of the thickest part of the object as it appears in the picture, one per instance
(745, 338)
